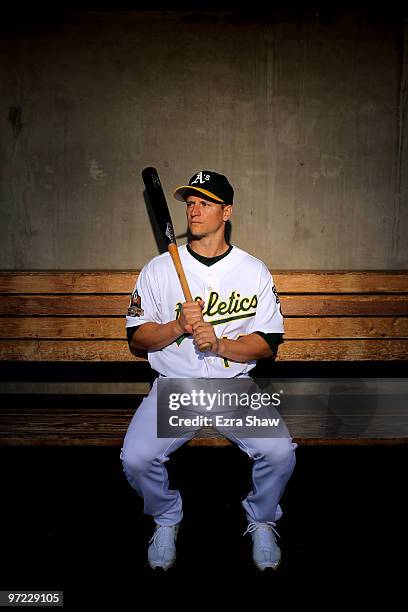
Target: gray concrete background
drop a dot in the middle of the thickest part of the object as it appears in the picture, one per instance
(307, 119)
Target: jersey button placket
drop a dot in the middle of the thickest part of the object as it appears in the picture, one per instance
(212, 281)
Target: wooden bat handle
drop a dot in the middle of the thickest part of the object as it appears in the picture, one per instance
(174, 254)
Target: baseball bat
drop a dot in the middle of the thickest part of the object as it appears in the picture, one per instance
(161, 211)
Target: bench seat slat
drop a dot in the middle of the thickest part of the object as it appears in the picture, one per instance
(21, 427)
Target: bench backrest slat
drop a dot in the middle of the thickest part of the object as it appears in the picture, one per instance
(80, 316)
(326, 281)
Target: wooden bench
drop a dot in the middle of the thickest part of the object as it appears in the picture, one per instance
(63, 347)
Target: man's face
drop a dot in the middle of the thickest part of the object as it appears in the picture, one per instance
(205, 218)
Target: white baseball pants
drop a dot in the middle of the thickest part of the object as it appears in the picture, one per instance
(143, 456)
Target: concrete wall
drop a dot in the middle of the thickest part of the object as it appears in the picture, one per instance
(306, 117)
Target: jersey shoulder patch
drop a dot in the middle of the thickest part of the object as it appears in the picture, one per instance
(135, 306)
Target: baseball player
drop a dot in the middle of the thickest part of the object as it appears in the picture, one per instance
(236, 316)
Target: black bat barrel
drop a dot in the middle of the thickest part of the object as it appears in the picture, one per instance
(159, 204)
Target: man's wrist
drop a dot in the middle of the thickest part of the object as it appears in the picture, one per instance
(221, 347)
(178, 330)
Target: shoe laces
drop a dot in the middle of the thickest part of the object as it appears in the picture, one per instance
(263, 526)
(163, 536)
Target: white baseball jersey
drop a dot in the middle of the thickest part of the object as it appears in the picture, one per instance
(240, 298)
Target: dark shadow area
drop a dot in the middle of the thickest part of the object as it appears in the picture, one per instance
(70, 521)
(139, 371)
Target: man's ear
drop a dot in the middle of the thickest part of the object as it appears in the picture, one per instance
(227, 212)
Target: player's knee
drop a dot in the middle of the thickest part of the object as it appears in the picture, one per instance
(135, 461)
(281, 452)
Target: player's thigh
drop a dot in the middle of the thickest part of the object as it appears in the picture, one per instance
(141, 446)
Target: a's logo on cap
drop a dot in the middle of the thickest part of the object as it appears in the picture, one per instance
(200, 178)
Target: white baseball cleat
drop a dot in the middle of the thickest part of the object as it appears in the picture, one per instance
(265, 551)
(162, 549)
